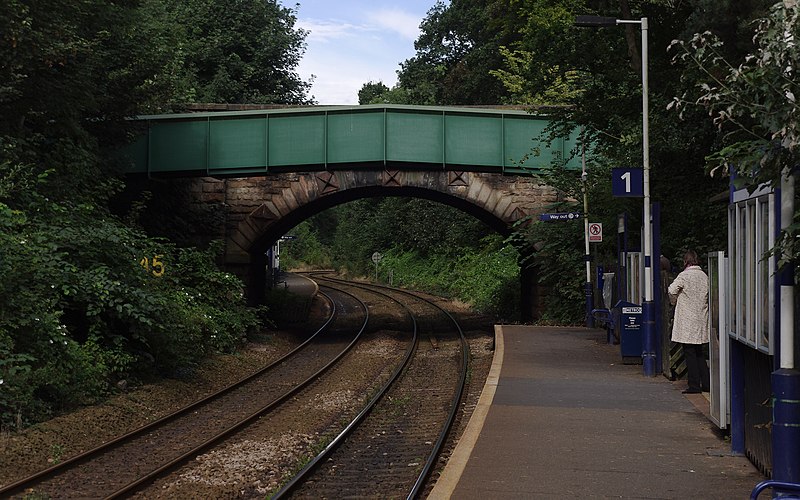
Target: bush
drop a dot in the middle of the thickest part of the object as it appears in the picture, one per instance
(487, 277)
(87, 301)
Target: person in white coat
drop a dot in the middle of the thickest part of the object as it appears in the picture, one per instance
(689, 293)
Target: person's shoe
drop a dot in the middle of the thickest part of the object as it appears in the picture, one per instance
(691, 391)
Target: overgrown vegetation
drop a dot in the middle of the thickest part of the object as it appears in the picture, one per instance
(529, 53)
(87, 298)
(90, 297)
(425, 245)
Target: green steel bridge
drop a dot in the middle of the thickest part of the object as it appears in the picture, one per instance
(318, 138)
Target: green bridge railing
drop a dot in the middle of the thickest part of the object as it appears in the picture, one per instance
(253, 142)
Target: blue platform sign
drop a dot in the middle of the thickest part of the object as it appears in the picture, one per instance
(627, 182)
(560, 216)
(630, 329)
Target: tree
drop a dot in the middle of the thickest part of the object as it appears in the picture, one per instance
(242, 51)
(597, 74)
(371, 92)
(460, 43)
(87, 297)
(607, 99)
(753, 103)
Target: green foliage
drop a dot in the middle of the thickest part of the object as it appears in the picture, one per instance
(559, 247)
(592, 78)
(370, 225)
(83, 302)
(486, 276)
(78, 311)
(459, 45)
(305, 250)
(560, 91)
(426, 245)
(753, 104)
(371, 92)
(242, 51)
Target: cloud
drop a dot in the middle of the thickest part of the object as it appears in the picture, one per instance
(399, 21)
(329, 30)
(341, 73)
(349, 44)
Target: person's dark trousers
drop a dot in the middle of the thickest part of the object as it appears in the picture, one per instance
(696, 367)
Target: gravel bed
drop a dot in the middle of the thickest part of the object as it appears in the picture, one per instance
(42, 445)
(259, 460)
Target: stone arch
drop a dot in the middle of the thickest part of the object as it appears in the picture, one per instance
(496, 199)
(261, 209)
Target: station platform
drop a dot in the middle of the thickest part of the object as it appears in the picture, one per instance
(562, 417)
(288, 312)
(299, 285)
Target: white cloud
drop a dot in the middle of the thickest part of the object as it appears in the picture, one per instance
(399, 21)
(341, 73)
(352, 43)
(328, 31)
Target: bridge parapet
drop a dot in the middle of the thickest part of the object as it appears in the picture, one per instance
(314, 138)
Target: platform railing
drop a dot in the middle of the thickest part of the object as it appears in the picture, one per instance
(781, 486)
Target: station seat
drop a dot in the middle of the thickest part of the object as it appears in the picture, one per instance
(605, 318)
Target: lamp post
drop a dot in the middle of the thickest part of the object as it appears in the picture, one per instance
(648, 333)
(587, 254)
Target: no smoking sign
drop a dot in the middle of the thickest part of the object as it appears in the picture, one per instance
(595, 232)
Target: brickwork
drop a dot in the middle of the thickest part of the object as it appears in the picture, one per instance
(259, 208)
(255, 204)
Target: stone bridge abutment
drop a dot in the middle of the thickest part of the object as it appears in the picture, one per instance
(259, 210)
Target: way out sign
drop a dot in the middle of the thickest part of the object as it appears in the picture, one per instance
(595, 232)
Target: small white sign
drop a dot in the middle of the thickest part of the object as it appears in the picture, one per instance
(376, 257)
(595, 232)
(631, 310)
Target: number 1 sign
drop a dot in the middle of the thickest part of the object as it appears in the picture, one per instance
(627, 182)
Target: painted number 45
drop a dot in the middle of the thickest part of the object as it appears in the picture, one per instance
(155, 266)
(628, 182)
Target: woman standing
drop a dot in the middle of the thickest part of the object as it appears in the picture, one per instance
(689, 292)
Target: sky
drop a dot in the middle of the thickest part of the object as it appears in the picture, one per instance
(352, 42)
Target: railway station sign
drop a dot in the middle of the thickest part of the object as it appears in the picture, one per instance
(560, 216)
(630, 325)
(627, 182)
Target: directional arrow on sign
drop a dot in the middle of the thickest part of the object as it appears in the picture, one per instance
(560, 216)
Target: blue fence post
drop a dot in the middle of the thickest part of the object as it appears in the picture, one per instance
(786, 425)
(737, 396)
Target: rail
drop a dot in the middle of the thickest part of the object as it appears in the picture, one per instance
(458, 394)
(74, 462)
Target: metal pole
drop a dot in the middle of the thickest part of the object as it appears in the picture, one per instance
(587, 255)
(648, 332)
(786, 379)
(787, 285)
(649, 340)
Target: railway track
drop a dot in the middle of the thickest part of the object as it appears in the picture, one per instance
(123, 465)
(390, 447)
(389, 442)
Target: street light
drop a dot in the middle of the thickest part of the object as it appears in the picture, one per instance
(649, 334)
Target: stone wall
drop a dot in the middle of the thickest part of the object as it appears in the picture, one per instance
(261, 209)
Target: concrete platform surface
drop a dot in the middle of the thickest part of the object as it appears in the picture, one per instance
(298, 284)
(569, 420)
